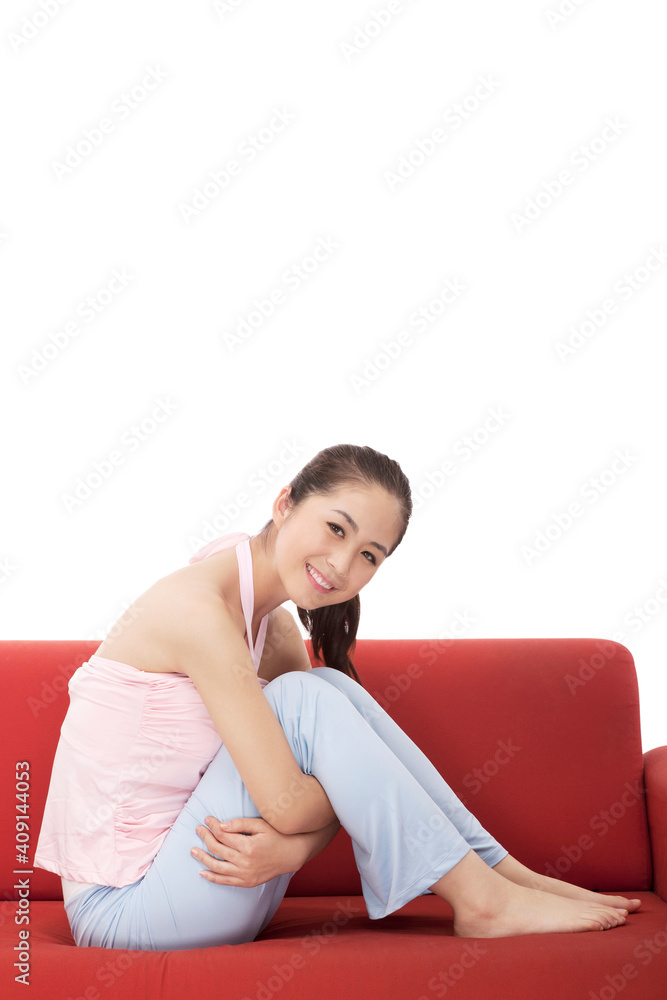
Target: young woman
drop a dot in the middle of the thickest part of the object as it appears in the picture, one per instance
(203, 708)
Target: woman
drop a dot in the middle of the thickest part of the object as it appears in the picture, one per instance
(204, 707)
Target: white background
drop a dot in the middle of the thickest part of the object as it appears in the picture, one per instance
(482, 107)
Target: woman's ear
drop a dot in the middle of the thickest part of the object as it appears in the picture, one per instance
(282, 506)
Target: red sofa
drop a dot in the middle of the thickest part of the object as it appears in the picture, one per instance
(540, 738)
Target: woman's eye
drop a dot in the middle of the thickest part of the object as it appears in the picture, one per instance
(372, 559)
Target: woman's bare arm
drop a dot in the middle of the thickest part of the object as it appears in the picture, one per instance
(215, 657)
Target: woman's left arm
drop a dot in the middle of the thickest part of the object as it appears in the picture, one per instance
(248, 852)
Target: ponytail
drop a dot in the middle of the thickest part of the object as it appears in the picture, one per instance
(333, 632)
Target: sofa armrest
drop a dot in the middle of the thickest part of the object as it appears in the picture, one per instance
(655, 782)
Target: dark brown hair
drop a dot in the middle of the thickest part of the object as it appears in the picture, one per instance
(333, 629)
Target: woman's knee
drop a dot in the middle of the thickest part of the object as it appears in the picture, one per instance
(336, 677)
(301, 686)
(352, 690)
(295, 680)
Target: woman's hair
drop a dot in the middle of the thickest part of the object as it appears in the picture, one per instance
(333, 629)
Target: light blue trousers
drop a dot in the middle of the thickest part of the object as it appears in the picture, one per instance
(407, 827)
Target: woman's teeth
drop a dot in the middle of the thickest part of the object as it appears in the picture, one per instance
(322, 582)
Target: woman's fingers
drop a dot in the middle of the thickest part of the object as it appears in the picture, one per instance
(227, 852)
(227, 880)
(241, 852)
(218, 846)
(244, 824)
(224, 871)
(211, 861)
(237, 835)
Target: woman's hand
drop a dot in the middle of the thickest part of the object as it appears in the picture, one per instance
(248, 852)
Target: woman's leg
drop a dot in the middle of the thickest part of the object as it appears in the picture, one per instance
(420, 767)
(380, 804)
(468, 826)
(377, 800)
(172, 907)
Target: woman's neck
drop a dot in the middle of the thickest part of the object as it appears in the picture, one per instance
(269, 590)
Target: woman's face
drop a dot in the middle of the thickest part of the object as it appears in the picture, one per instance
(322, 557)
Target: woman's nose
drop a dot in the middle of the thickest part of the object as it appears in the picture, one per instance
(338, 572)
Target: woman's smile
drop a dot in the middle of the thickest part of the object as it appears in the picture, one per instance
(319, 582)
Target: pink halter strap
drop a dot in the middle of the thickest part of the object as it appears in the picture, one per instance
(241, 541)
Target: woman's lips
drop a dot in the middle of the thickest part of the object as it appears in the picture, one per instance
(316, 585)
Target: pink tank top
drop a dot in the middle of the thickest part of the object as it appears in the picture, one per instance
(132, 748)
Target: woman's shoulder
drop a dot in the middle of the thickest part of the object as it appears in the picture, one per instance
(169, 615)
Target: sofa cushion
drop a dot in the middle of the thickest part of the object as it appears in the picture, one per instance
(328, 948)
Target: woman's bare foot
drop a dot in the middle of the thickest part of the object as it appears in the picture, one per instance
(531, 911)
(486, 904)
(513, 870)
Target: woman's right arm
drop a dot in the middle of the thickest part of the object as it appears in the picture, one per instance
(210, 650)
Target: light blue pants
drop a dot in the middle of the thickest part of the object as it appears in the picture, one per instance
(407, 827)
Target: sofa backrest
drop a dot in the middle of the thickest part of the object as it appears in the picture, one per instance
(539, 737)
